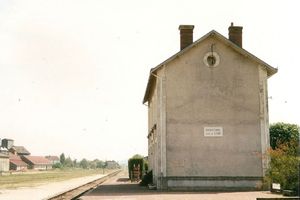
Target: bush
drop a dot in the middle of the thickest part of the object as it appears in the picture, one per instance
(135, 162)
(57, 166)
(284, 155)
(284, 168)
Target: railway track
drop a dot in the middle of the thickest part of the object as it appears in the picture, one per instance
(75, 193)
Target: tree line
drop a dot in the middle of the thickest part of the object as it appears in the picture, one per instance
(67, 162)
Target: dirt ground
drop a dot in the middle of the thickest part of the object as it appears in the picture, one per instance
(120, 187)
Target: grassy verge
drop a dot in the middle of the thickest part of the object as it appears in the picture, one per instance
(33, 179)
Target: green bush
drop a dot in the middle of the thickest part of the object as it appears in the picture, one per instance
(57, 166)
(284, 168)
(135, 162)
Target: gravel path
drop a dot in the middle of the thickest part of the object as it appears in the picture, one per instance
(119, 188)
(46, 190)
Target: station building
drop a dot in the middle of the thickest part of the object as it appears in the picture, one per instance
(208, 114)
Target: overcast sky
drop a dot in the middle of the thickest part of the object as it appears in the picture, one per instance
(73, 72)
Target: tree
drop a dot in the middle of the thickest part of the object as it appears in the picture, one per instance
(75, 164)
(93, 164)
(69, 162)
(100, 164)
(84, 163)
(284, 133)
(62, 158)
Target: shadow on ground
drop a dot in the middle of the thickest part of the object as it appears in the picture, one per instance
(120, 187)
(127, 189)
(123, 180)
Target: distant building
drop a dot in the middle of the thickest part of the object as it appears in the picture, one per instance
(53, 159)
(7, 143)
(112, 164)
(16, 163)
(37, 162)
(4, 150)
(19, 150)
(4, 162)
(208, 114)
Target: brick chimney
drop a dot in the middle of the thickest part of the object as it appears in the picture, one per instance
(235, 34)
(186, 35)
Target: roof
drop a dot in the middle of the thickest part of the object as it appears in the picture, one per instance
(7, 139)
(21, 150)
(16, 160)
(52, 158)
(37, 160)
(270, 70)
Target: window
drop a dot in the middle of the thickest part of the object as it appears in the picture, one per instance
(211, 59)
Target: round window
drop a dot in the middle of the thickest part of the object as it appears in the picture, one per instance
(211, 59)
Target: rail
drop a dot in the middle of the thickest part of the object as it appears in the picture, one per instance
(80, 190)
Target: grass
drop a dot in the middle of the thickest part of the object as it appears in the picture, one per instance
(33, 179)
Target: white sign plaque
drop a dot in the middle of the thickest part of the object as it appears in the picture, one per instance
(276, 186)
(213, 131)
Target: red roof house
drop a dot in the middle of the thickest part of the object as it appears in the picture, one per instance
(16, 163)
(37, 162)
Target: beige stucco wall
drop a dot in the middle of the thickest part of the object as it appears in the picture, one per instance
(152, 133)
(157, 128)
(225, 96)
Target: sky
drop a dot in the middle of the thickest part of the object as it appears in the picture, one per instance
(73, 72)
